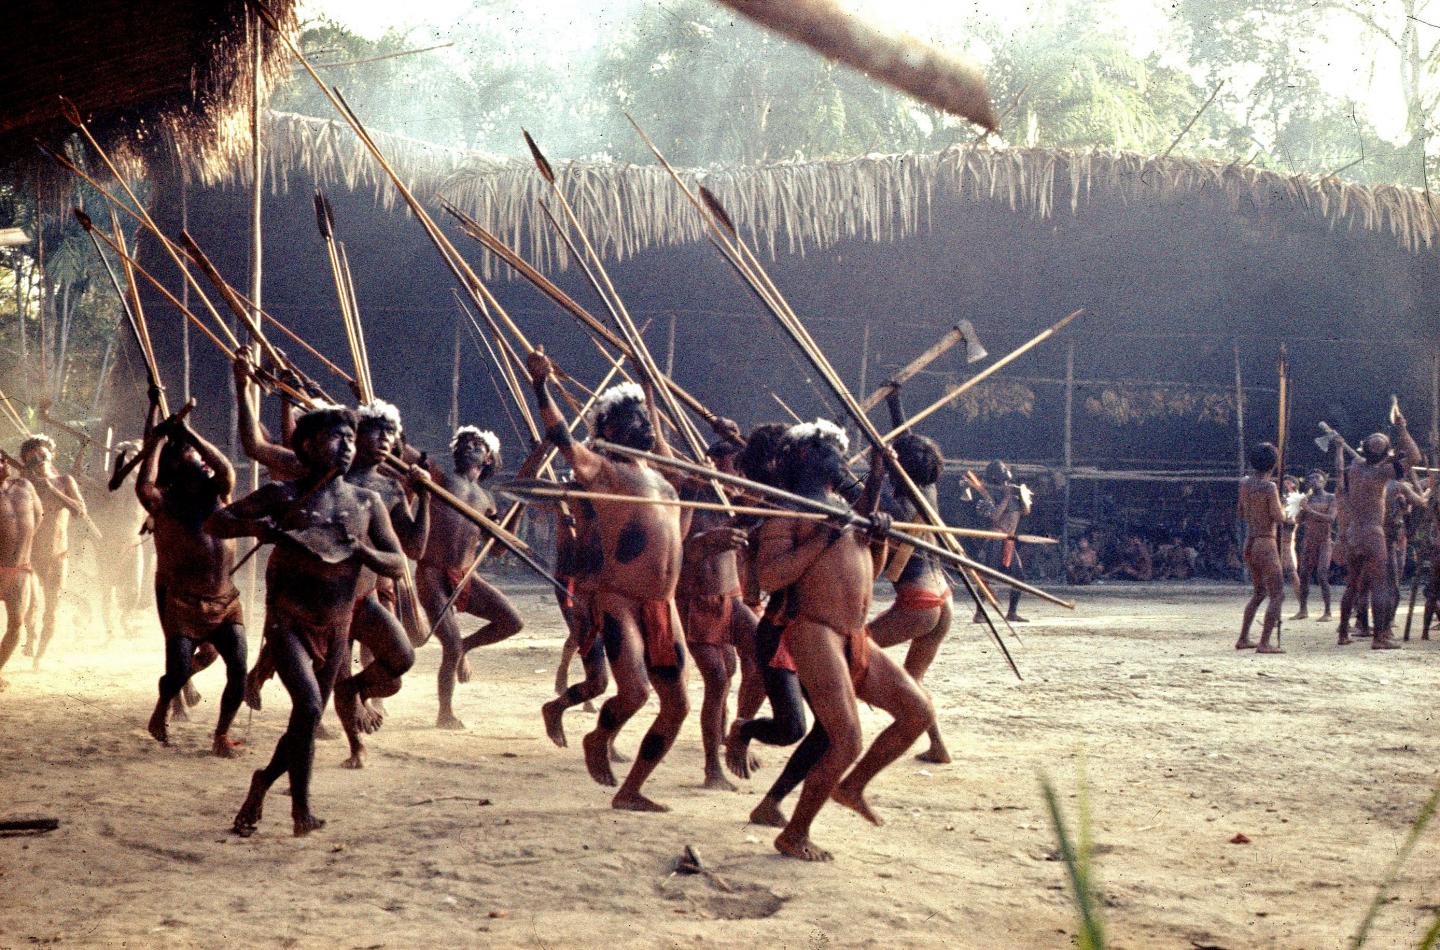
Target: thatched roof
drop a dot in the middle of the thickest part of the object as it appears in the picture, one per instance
(802, 206)
(151, 78)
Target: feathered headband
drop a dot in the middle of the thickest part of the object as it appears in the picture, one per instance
(819, 429)
(614, 396)
(490, 439)
(378, 410)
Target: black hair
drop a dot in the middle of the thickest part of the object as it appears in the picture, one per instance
(316, 421)
(1264, 457)
(920, 457)
(761, 448)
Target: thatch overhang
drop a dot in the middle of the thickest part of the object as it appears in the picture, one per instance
(800, 207)
(153, 79)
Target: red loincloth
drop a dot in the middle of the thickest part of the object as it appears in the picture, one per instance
(709, 618)
(317, 638)
(198, 616)
(915, 598)
(857, 650)
(656, 629)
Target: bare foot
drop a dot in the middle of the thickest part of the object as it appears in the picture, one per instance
(448, 721)
(634, 801)
(937, 754)
(1244, 644)
(1300, 615)
(856, 802)
(252, 691)
(324, 733)
(716, 781)
(368, 719)
(27, 649)
(1268, 648)
(802, 848)
(553, 713)
(616, 756)
(1384, 642)
(306, 823)
(1323, 617)
(378, 706)
(768, 813)
(177, 710)
(589, 707)
(356, 760)
(156, 726)
(5, 684)
(1016, 618)
(191, 694)
(1362, 634)
(462, 671)
(597, 758)
(225, 747)
(1344, 640)
(736, 748)
(248, 818)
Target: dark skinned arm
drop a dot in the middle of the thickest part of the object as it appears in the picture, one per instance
(781, 562)
(587, 465)
(224, 478)
(251, 516)
(278, 459)
(380, 551)
(413, 530)
(145, 488)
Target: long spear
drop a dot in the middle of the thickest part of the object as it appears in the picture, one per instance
(325, 221)
(644, 361)
(847, 516)
(524, 488)
(500, 249)
(726, 239)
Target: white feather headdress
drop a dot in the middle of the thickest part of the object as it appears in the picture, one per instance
(379, 410)
(614, 396)
(490, 439)
(820, 428)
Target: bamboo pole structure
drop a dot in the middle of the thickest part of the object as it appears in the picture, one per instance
(1068, 459)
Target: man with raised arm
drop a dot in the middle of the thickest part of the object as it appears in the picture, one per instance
(1259, 507)
(326, 532)
(830, 573)
(1317, 526)
(181, 485)
(634, 593)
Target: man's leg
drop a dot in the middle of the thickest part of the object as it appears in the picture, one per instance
(1383, 598)
(820, 659)
(1247, 617)
(1309, 562)
(1017, 571)
(295, 752)
(752, 684)
(797, 767)
(485, 601)
(229, 643)
(669, 683)
(888, 686)
(16, 598)
(384, 637)
(434, 594)
(1323, 578)
(625, 651)
(786, 724)
(1354, 595)
(712, 663)
(178, 653)
(924, 630)
(1273, 575)
(52, 581)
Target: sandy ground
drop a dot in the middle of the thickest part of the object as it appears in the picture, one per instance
(494, 837)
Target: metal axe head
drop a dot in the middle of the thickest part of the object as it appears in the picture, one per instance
(1325, 442)
(974, 351)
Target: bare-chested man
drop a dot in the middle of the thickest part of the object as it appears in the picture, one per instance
(385, 643)
(1317, 522)
(830, 573)
(1259, 507)
(326, 532)
(923, 606)
(1368, 567)
(1290, 502)
(719, 626)
(450, 550)
(61, 497)
(1002, 503)
(181, 486)
(634, 595)
(20, 513)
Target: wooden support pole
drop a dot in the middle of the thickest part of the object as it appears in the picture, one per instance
(1435, 401)
(1239, 426)
(454, 419)
(1068, 458)
(864, 364)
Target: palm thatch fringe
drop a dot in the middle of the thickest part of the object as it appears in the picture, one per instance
(799, 207)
